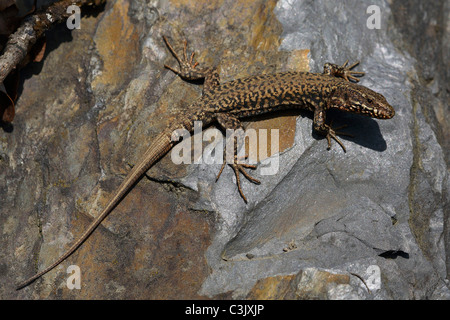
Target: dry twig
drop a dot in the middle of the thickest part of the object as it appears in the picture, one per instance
(31, 29)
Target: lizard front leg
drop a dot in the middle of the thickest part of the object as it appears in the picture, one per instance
(230, 122)
(325, 129)
(342, 71)
(189, 71)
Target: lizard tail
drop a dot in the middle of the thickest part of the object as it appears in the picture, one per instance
(158, 149)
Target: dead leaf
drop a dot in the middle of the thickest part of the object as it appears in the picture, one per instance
(7, 110)
(38, 50)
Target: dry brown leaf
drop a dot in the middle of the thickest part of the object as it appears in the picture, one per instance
(38, 50)
(7, 111)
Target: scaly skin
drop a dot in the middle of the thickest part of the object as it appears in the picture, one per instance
(227, 103)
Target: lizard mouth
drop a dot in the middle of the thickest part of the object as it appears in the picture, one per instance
(387, 113)
(382, 111)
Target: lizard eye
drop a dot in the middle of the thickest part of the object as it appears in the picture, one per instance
(369, 100)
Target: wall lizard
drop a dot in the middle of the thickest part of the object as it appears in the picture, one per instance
(226, 103)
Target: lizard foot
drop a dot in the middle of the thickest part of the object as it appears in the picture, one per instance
(239, 167)
(343, 71)
(346, 73)
(331, 133)
(187, 66)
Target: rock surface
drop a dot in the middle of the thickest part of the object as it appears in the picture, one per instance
(371, 223)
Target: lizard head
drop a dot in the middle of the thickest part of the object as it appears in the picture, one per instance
(355, 98)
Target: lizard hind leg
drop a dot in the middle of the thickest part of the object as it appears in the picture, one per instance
(239, 167)
(189, 71)
(229, 122)
(187, 66)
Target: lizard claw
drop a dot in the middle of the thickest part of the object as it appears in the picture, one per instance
(186, 65)
(332, 134)
(343, 71)
(239, 167)
(346, 73)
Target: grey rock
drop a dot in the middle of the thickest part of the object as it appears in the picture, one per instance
(374, 221)
(340, 208)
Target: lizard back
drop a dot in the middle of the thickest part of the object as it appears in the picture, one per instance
(261, 94)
